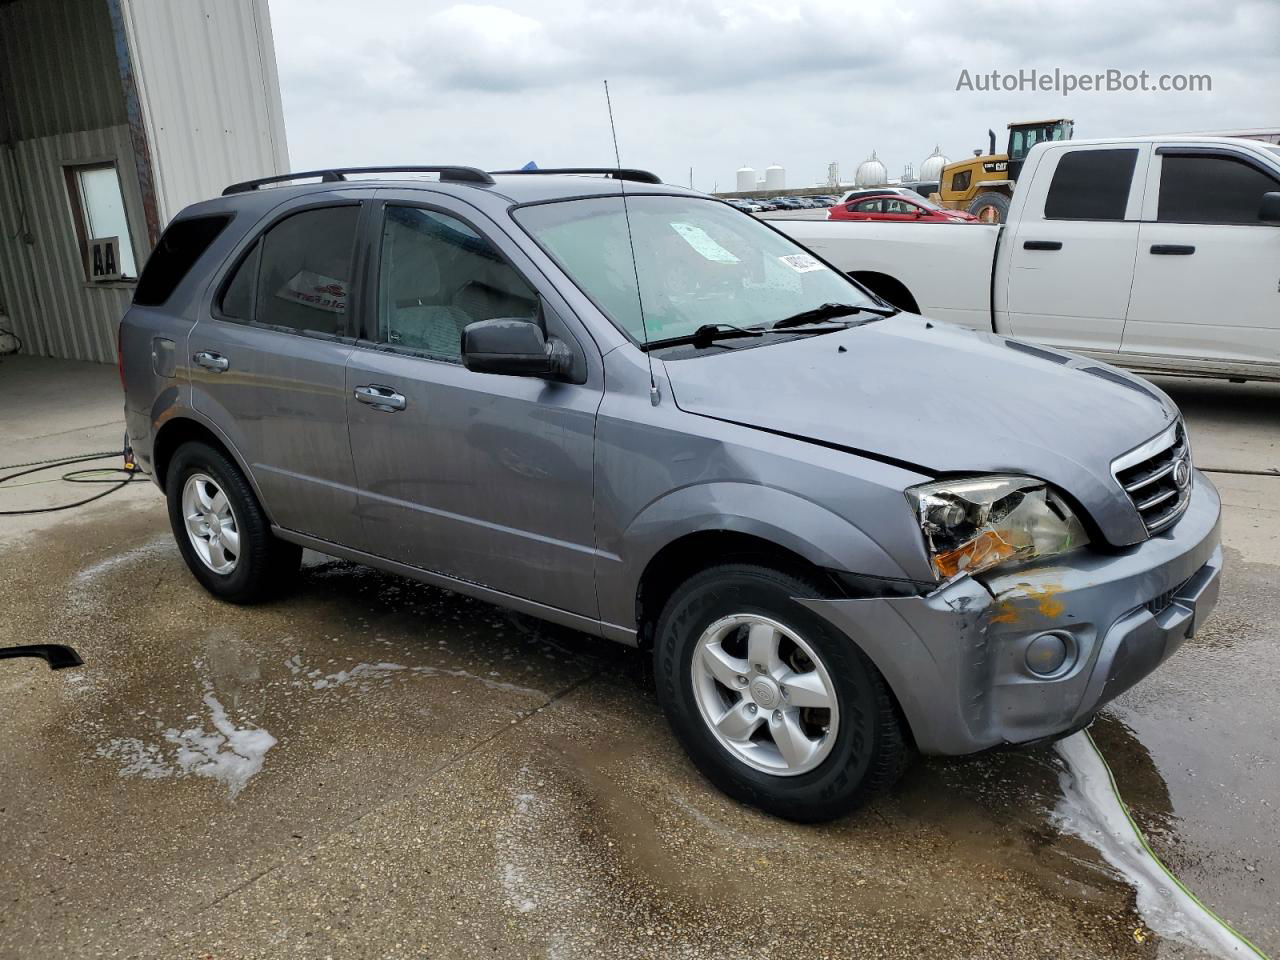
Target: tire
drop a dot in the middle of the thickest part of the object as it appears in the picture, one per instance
(260, 565)
(869, 748)
(995, 205)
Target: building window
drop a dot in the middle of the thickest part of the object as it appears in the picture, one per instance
(97, 205)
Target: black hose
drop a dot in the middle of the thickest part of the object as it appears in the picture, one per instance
(74, 477)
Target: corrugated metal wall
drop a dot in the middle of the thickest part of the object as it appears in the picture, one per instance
(58, 56)
(52, 307)
(206, 75)
(62, 95)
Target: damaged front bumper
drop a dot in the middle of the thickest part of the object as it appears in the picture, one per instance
(957, 660)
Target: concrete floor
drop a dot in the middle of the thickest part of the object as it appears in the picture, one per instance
(373, 768)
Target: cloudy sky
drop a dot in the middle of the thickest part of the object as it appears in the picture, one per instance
(714, 85)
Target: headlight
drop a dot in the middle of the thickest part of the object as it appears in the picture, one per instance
(973, 525)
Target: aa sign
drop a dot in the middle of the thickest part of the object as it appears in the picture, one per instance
(104, 258)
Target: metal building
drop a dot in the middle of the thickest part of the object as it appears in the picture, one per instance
(114, 115)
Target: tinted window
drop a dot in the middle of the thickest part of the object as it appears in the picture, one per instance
(1091, 185)
(237, 301)
(179, 248)
(437, 275)
(869, 206)
(305, 273)
(1211, 190)
(960, 181)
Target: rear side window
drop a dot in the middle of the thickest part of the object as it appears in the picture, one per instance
(298, 274)
(1091, 185)
(1202, 189)
(181, 245)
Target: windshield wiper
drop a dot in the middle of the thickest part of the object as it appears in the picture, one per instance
(829, 311)
(704, 336)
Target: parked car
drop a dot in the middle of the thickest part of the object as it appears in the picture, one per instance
(875, 192)
(585, 405)
(786, 203)
(747, 206)
(1155, 253)
(896, 208)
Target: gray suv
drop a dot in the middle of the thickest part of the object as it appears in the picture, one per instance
(845, 532)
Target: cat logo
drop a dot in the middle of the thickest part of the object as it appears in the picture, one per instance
(996, 166)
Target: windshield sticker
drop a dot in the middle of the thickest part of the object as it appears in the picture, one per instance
(801, 262)
(701, 241)
(315, 290)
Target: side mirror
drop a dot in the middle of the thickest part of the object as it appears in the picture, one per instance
(1270, 210)
(515, 346)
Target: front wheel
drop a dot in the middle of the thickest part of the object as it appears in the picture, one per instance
(990, 207)
(775, 706)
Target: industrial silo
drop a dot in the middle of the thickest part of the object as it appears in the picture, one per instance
(931, 169)
(871, 173)
(746, 179)
(775, 177)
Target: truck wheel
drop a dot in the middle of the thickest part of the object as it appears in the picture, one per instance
(774, 706)
(990, 207)
(223, 535)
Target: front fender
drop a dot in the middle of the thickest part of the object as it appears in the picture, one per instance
(822, 537)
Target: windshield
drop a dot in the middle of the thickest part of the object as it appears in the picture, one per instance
(699, 262)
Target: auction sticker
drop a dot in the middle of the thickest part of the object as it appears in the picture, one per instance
(802, 262)
(702, 242)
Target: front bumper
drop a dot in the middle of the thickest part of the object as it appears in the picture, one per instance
(956, 659)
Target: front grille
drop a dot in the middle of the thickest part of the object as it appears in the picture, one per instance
(1157, 478)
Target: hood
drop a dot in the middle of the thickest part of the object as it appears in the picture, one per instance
(942, 400)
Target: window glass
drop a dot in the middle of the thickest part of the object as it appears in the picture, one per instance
(960, 181)
(436, 276)
(869, 206)
(1091, 185)
(696, 262)
(1211, 190)
(305, 271)
(899, 206)
(100, 209)
(179, 248)
(237, 301)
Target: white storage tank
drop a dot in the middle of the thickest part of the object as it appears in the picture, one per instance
(746, 179)
(931, 169)
(871, 173)
(775, 177)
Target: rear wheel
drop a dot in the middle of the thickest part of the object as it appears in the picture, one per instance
(990, 207)
(221, 529)
(776, 707)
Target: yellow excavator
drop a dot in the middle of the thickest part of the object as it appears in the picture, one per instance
(983, 184)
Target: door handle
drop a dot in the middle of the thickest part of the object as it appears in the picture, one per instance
(211, 361)
(1042, 245)
(1172, 249)
(380, 398)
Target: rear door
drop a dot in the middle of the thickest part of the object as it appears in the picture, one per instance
(481, 477)
(268, 365)
(1207, 284)
(1072, 248)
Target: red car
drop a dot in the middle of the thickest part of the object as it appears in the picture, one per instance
(899, 208)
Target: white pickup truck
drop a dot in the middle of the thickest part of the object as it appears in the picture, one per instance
(1161, 254)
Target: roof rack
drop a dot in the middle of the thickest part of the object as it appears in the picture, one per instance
(617, 173)
(337, 174)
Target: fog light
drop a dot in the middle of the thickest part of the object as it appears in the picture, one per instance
(1047, 653)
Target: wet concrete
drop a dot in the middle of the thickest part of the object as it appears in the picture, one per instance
(371, 767)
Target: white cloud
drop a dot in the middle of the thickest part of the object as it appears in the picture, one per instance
(714, 85)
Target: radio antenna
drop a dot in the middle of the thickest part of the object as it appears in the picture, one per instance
(626, 215)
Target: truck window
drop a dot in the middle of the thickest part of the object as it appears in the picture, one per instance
(1091, 185)
(960, 181)
(1211, 189)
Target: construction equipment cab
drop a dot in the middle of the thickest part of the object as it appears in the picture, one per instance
(983, 185)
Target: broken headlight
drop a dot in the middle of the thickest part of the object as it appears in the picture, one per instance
(975, 524)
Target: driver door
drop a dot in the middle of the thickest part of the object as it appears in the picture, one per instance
(481, 477)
